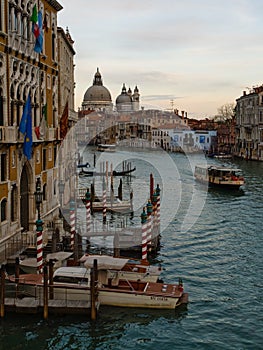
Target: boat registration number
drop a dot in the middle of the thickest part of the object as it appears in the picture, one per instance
(158, 298)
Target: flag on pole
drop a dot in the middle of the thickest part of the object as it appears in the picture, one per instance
(25, 128)
(40, 130)
(64, 122)
(37, 29)
(34, 19)
(39, 38)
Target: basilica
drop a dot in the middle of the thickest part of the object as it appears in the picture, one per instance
(98, 98)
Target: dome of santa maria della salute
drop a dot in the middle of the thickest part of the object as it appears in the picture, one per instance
(97, 96)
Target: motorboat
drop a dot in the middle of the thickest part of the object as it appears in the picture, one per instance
(104, 147)
(29, 265)
(124, 268)
(73, 283)
(225, 177)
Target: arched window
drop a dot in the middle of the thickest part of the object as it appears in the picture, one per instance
(55, 188)
(1, 16)
(1, 108)
(14, 203)
(53, 43)
(3, 209)
(44, 192)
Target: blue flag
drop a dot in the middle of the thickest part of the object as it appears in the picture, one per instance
(25, 128)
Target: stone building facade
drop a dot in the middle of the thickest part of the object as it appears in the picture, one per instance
(25, 72)
(249, 125)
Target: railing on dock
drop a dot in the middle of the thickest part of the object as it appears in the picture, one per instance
(19, 299)
(11, 246)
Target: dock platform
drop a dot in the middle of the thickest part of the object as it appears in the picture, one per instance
(31, 305)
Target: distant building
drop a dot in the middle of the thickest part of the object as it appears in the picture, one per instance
(249, 124)
(194, 140)
(128, 101)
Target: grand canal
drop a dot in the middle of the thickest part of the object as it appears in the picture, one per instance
(212, 239)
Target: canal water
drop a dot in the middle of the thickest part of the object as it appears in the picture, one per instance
(212, 239)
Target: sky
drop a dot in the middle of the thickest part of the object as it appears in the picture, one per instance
(192, 55)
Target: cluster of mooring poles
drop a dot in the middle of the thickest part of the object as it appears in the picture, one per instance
(150, 235)
(150, 219)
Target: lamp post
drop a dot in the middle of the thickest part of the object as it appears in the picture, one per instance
(39, 224)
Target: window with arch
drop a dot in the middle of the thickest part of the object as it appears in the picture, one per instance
(1, 108)
(55, 188)
(3, 209)
(49, 154)
(38, 156)
(53, 44)
(13, 159)
(1, 14)
(15, 20)
(22, 27)
(14, 201)
(9, 17)
(44, 192)
(3, 161)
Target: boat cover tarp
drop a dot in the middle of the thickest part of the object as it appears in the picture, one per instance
(105, 262)
(59, 256)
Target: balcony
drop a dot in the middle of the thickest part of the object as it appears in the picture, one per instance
(51, 134)
(9, 134)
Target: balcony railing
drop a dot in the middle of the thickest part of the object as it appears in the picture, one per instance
(8, 134)
(51, 134)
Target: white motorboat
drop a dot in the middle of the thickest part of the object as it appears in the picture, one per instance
(73, 283)
(29, 265)
(124, 268)
(104, 147)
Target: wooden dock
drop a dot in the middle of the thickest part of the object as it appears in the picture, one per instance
(123, 206)
(31, 305)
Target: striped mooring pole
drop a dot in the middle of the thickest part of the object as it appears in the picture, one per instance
(154, 219)
(144, 234)
(149, 223)
(87, 199)
(104, 201)
(72, 224)
(158, 209)
(39, 224)
(39, 227)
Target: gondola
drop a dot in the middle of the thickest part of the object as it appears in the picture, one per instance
(114, 173)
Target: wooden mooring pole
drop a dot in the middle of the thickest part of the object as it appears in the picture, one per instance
(94, 289)
(51, 273)
(151, 186)
(116, 245)
(2, 293)
(17, 270)
(45, 292)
